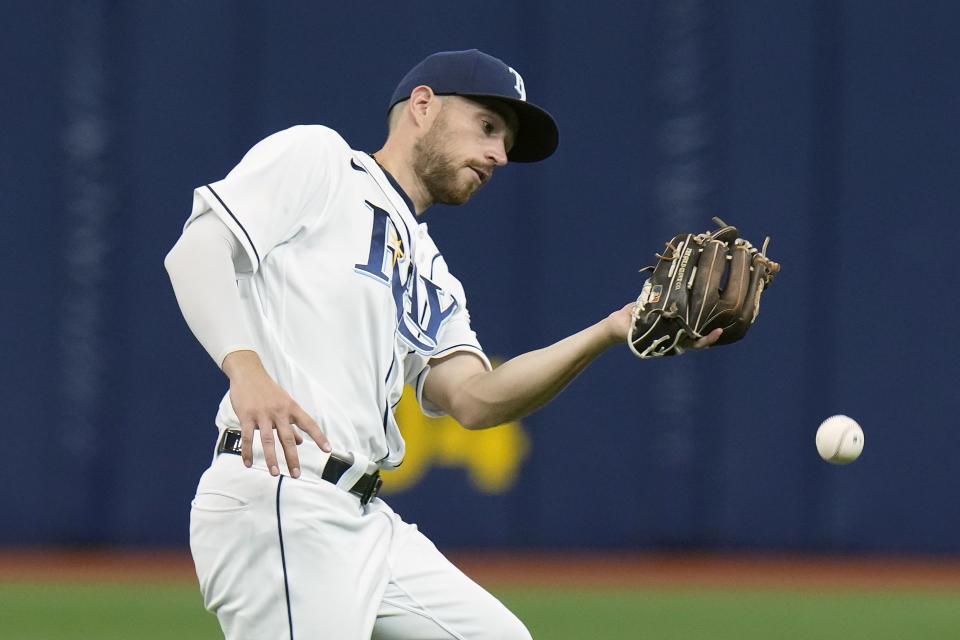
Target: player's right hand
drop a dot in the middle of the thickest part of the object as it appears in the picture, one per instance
(262, 405)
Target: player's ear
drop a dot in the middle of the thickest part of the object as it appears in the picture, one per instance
(423, 104)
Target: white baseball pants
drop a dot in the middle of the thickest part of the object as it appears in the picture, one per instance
(280, 558)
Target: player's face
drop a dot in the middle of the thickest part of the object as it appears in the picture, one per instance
(459, 152)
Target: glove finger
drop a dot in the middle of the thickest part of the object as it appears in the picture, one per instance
(772, 268)
(759, 276)
(738, 278)
(726, 233)
(705, 285)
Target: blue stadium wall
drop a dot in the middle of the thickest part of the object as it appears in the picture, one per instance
(830, 126)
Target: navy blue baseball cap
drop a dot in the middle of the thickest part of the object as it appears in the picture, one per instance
(473, 73)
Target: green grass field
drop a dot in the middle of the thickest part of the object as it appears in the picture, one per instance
(149, 612)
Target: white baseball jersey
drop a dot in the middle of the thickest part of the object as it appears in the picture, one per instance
(347, 296)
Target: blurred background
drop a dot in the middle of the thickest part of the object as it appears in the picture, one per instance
(830, 126)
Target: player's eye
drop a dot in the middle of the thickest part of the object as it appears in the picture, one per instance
(488, 127)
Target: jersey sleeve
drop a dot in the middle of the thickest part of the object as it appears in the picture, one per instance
(275, 191)
(455, 335)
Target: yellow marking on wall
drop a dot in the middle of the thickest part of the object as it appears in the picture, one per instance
(491, 457)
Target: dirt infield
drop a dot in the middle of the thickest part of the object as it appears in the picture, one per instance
(539, 569)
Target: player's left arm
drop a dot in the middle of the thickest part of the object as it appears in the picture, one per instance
(461, 386)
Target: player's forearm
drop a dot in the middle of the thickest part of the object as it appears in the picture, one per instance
(529, 381)
(202, 273)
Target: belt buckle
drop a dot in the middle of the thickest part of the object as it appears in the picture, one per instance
(372, 490)
(230, 442)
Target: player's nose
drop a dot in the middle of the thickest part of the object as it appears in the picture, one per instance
(497, 153)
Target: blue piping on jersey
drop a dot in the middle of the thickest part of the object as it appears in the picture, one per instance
(390, 370)
(397, 188)
(227, 209)
(456, 347)
(283, 559)
(388, 408)
(433, 262)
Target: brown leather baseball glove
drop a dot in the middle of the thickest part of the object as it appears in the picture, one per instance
(701, 282)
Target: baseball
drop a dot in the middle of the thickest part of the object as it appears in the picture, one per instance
(839, 439)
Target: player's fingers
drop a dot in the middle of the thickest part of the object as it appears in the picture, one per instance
(246, 442)
(288, 440)
(708, 339)
(269, 449)
(310, 426)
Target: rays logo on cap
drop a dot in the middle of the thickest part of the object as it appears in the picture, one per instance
(521, 90)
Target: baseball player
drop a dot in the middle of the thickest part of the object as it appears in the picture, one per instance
(309, 280)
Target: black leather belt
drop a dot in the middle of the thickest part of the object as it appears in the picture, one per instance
(367, 487)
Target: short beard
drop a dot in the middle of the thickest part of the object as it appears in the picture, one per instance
(433, 166)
